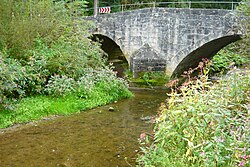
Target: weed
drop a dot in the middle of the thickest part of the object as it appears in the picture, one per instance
(203, 125)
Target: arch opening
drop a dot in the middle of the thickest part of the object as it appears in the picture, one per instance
(208, 50)
(114, 52)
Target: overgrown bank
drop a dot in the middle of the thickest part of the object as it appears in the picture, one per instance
(48, 65)
(204, 124)
(95, 88)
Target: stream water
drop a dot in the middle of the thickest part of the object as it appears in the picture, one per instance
(96, 137)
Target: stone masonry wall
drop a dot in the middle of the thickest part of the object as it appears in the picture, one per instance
(171, 33)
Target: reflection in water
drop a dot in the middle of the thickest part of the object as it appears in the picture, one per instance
(95, 138)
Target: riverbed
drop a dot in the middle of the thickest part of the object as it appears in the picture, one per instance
(93, 138)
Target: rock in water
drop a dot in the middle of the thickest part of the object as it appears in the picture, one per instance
(111, 109)
(147, 118)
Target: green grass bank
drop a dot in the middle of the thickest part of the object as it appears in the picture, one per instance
(37, 107)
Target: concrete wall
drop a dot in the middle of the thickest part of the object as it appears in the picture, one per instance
(174, 38)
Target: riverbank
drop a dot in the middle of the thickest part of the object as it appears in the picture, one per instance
(204, 124)
(37, 107)
(109, 137)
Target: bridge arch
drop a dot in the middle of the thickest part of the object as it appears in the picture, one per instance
(207, 50)
(114, 52)
(181, 37)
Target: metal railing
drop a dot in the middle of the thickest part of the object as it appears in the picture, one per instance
(182, 4)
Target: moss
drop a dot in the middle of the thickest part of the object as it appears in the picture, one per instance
(149, 79)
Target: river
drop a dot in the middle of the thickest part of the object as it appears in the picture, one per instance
(93, 138)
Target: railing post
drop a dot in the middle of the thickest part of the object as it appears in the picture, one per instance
(95, 8)
(189, 4)
(232, 5)
(122, 8)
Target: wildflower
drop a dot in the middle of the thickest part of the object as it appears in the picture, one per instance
(244, 157)
(143, 136)
(172, 83)
(242, 163)
(202, 153)
(220, 140)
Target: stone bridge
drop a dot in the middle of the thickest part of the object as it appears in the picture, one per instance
(166, 39)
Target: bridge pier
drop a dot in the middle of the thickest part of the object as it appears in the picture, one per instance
(146, 60)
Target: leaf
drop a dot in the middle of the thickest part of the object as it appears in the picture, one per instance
(176, 112)
(208, 146)
(188, 152)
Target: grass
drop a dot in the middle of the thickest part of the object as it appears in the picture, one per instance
(37, 107)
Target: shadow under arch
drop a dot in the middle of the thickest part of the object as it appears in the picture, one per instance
(114, 52)
(208, 50)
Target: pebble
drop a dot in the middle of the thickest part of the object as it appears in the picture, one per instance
(111, 109)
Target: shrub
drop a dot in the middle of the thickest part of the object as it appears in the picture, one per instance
(203, 125)
(21, 22)
(41, 39)
(102, 78)
(60, 85)
(243, 45)
(68, 96)
(226, 59)
(12, 75)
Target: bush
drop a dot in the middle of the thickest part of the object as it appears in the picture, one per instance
(203, 125)
(41, 39)
(21, 22)
(60, 85)
(243, 45)
(226, 59)
(68, 97)
(12, 75)
(104, 79)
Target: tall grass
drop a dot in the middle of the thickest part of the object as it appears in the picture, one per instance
(204, 124)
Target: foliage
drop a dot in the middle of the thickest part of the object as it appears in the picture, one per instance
(226, 59)
(97, 87)
(31, 76)
(40, 39)
(243, 45)
(21, 22)
(60, 85)
(45, 50)
(12, 74)
(83, 87)
(137, 4)
(203, 125)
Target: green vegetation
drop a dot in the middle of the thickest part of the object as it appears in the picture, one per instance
(136, 4)
(97, 87)
(243, 45)
(149, 79)
(226, 59)
(48, 66)
(204, 124)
